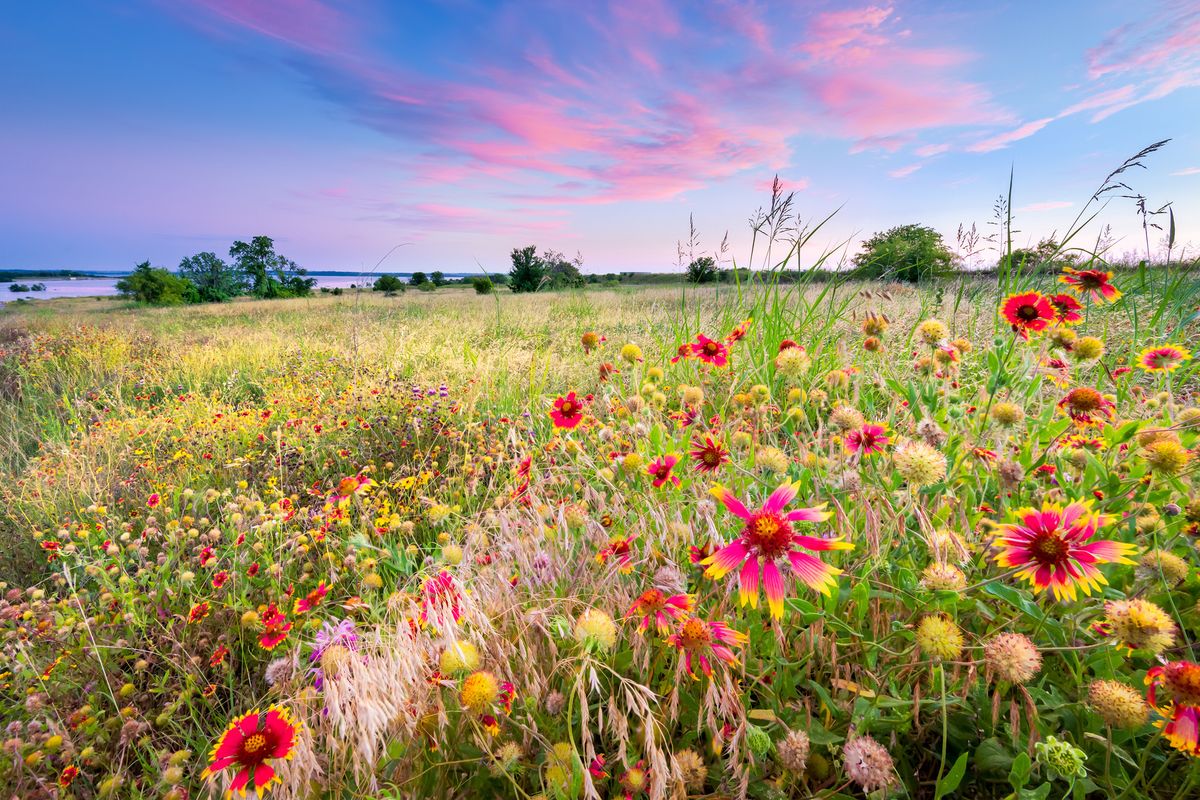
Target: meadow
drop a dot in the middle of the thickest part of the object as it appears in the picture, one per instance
(826, 538)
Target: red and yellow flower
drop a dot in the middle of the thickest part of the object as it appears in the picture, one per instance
(248, 744)
(567, 412)
(701, 641)
(1086, 405)
(767, 537)
(1028, 312)
(310, 600)
(708, 454)
(1094, 282)
(1053, 550)
(1066, 309)
(275, 628)
(1164, 358)
(869, 439)
(620, 548)
(710, 351)
(654, 605)
(1181, 709)
(660, 470)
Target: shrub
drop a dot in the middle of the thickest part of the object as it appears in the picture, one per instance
(702, 270)
(418, 278)
(388, 283)
(427, 286)
(482, 285)
(905, 253)
(157, 286)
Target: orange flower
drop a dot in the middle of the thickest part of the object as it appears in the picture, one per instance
(1092, 282)
(1029, 312)
(249, 743)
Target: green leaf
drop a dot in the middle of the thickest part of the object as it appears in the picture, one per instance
(991, 757)
(1018, 776)
(953, 778)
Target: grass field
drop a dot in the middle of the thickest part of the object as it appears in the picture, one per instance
(825, 539)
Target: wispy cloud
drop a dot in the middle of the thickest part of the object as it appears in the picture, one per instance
(904, 172)
(1003, 140)
(1187, 171)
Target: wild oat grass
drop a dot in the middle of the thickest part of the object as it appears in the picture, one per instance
(815, 539)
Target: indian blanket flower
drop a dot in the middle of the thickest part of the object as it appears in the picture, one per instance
(311, 600)
(567, 411)
(1066, 309)
(350, 486)
(619, 547)
(635, 780)
(868, 439)
(655, 606)
(248, 744)
(1085, 405)
(702, 641)
(275, 628)
(1028, 312)
(710, 351)
(67, 776)
(767, 537)
(1181, 707)
(438, 595)
(1094, 282)
(1164, 358)
(739, 332)
(1052, 548)
(660, 470)
(708, 454)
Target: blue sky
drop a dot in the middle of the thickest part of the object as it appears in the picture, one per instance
(163, 127)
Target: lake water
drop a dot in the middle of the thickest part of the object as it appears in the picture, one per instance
(107, 287)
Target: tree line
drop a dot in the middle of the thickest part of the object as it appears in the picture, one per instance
(254, 270)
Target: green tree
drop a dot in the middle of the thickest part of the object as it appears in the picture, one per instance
(527, 271)
(147, 284)
(269, 274)
(388, 283)
(482, 284)
(561, 272)
(215, 281)
(438, 278)
(905, 253)
(702, 270)
(1045, 258)
(418, 278)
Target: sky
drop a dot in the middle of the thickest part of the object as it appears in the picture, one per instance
(154, 129)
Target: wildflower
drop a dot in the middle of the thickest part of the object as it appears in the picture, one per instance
(1181, 708)
(1066, 309)
(348, 487)
(919, 464)
(846, 418)
(945, 577)
(1062, 337)
(791, 362)
(653, 605)
(868, 764)
(1012, 657)
(197, 613)
(459, 657)
(1162, 565)
(758, 740)
(439, 594)
(1166, 456)
(153, 500)
(772, 459)
(875, 324)
(275, 628)
(1052, 550)
(1139, 625)
(1084, 404)
(631, 353)
(793, 751)
(1061, 758)
(939, 638)
(635, 780)
(660, 470)
(479, 691)
(596, 630)
(868, 440)
(692, 769)
(1165, 358)
(711, 352)
(1087, 348)
(567, 412)
(708, 453)
(68, 775)
(691, 395)
(310, 600)
(1118, 705)
(618, 546)
(590, 341)
(701, 641)
(932, 332)
(1007, 414)
(596, 768)
(1094, 282)
(739, 332)
(1029, 312)
(249, 743)
(767, 537)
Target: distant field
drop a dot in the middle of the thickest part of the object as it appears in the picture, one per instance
(764, 541)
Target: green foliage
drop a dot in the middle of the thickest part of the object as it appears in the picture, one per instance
(527, 271)
(561, 272)
(388, 283)
(482, 285)
(427, 286)
(702, 270)
(1046, 257)
(156, 286)
(907, 253)
(269, 274)
(438, 278)
(418, 278)
(215, 281)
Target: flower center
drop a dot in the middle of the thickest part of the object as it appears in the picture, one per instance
(770, 534)
(710, 348)
(651, 601)
(1085, 399)
(1049, 548)
(255, 744)
(567, 407)
(694, 634)
(1028, 313)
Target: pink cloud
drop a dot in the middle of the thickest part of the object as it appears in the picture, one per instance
(1003, 140)
(904, 172)
(1187, 171)
(930, 150)
(766, 185)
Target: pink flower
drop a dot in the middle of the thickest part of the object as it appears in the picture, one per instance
(710, 351)
(568, 412)
(767, 537)
(868, 440)
(660, 471)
